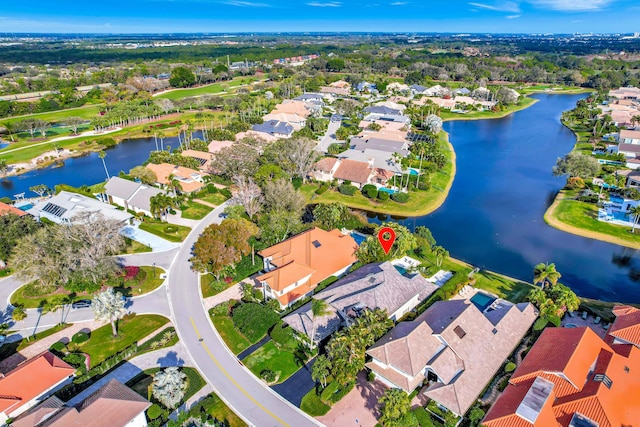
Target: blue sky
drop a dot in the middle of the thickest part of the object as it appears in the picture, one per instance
(145, 16)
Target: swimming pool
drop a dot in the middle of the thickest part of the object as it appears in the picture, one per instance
(358, 237)
(482, 300)
(413, 171)
(386, 190)
(25, 207)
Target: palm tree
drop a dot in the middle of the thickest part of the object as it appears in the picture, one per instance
(394, 405)
(440, 254)
(4, 167)
(546, 273)
(102, 155)
(321, 369)
(169, 386)
(635, 213)
(18, 314)
(319, 308)
(109, 305)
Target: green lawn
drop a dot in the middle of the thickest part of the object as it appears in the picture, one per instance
(171, 232)
(420, 202)
(103, 344)
(231, 336)
(582, 218)
(523, 103)
(147, 280)
(215, 199)
(283, 362)
(31, 294)
(195, 210)
(207, 89)
(134, 247)
(312, 405)
(245, 268)
(85, 112)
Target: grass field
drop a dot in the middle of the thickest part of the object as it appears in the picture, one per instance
(165, 230)
(103, 344)
(215, 199)
(231, 336)
(524, 102)
(86, 112)
(195, 210)
(210, 89)
(283, 362)
(312, 405)
(420, 202)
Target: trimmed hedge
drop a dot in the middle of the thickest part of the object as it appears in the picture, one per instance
(347, 189)
(80, 337)
(383, 196)
(400, 197)
(371, 193)
(154, 411)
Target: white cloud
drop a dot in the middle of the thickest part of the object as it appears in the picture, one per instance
(242, 3)
(513, 16)
(399, 3)
(328, 4)
(501, 6)
(571, 5)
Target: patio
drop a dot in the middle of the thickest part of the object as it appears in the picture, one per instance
(578, 322)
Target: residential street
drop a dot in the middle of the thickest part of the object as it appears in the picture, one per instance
(256, 403)
(329, 137)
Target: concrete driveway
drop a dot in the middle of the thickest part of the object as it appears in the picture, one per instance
(329, 137)
(157, 244)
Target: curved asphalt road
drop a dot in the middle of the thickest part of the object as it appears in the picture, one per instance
(249, 397)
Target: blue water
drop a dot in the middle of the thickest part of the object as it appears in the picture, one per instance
(616, 199)
(4, 144)
(386, 190)
(493, 216)
(401, 269)
(87, 169)
(25, 207)
(413, 171)
(482, 301)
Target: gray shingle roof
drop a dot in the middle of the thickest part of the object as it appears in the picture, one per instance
(274, 127)
(381, 109)
(119, 187)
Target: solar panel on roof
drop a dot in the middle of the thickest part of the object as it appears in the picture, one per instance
(54, 209)
(316, 244)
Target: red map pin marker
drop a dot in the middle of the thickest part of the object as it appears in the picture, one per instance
(386, 237)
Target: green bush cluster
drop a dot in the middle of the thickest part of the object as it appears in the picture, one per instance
(154, 411)
(509, 367)
(80, 337)
(283, 335)
(108, 363)
(347, 189)
(333, 392)
(253, 320)
(400, 197)
(77, 360)
(323, 188)
(268, 375)
(383, 196)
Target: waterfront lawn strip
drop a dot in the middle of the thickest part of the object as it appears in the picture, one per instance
(523, 103)
(103, 344)
(165, 230)
(231, 336)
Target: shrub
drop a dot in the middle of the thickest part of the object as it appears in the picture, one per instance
(347, 189)
(130, 272)
(383, 196)
(297, 182)
(283, 336)
(268, 375)
(211, 189)
(253, 320)
(170, 229)
(106, 142)
(509, 367)
(80, 337)
(154, 411)
(58, 347)
(575, 183)
(371, 193)
(424, 184)
(367, 187)
(75, 359)
(371, 376)
(400, 197)
(323, 188)
(226, 193)
(334, 392)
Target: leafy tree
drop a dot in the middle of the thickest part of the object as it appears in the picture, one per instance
(74, 123)
(221, 246)
(321, 369)
(40, 189)
(248, 195)
(424, 233)
(182, 77)
(440, 253)
(270, 172)
(4, 167)
(295, 156)
(82, 251)
(278, 224)
(371, 251)
(254, 320)
(331, 215)
(394, 407)
(475, 416)
(169, 386)
(545, 274)
(239, 160)
(109, 306)
(14, 228)
(145, 175)
(577, 164)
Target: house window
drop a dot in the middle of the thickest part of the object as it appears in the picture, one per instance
(626, 369)
(603, 379)
(459, 332)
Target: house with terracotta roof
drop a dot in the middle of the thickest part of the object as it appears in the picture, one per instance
(190, 180)
(378, 285)
(203, 158)
(573, 378)
(112, 405)
(296, 121)
(6, 209)
(626, 328)
(629, 136)
(323, 169)
(294, 268)
(32, 382)
(292, 106)
(215, 146)
(453, 346)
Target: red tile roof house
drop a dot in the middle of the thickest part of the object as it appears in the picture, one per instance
(6, 209)
(296, 266)
(32, 382)
(358, 173)
(454, 346)
(573, 378)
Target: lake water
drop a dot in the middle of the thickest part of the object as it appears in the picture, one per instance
(493, 216)
(87, 169)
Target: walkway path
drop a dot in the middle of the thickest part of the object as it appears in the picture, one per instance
(234, 292)
(255, 403)
(173, 356)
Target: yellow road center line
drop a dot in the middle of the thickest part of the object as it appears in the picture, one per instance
(224, 371)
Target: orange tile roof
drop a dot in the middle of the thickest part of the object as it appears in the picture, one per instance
(354, 171)
(6, 209)
(291, 106)
(31, 379)
(627, 324)
(325, 165)
(608, 406)
(184, 175)
(200, 156)
(315, 252)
